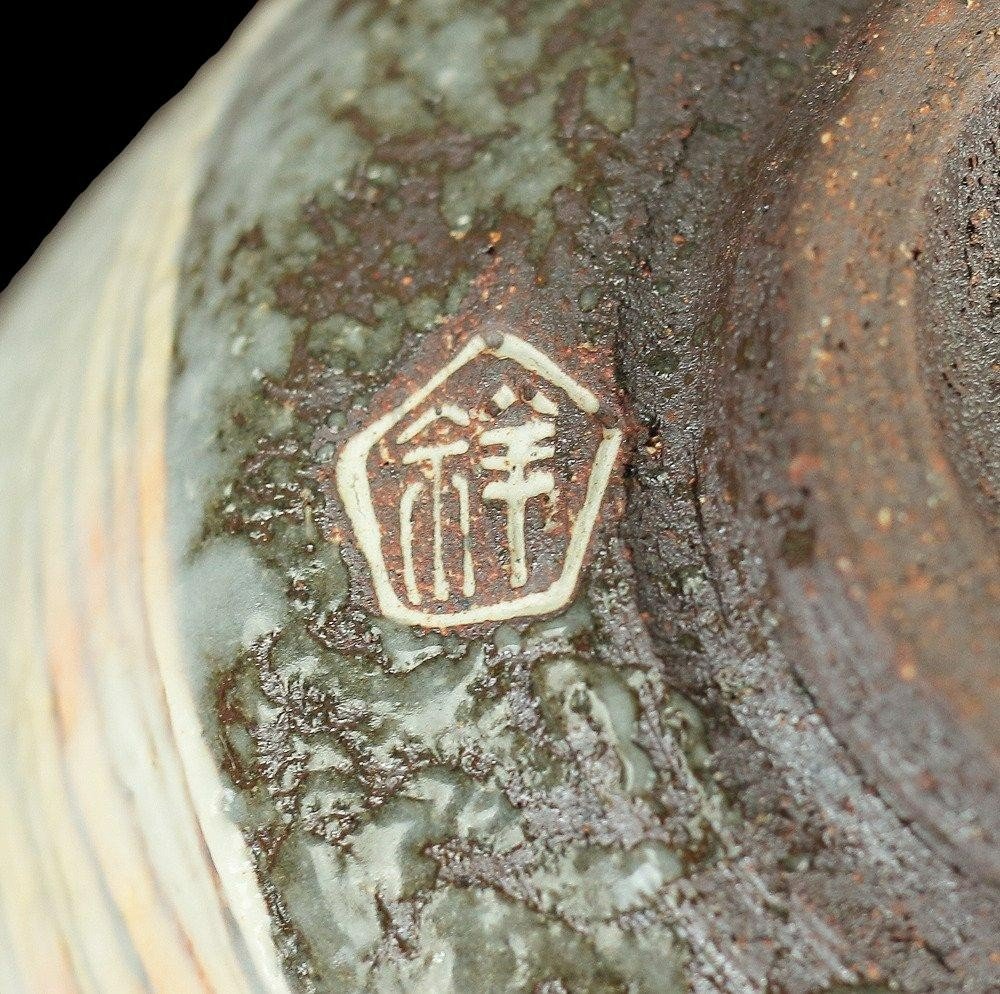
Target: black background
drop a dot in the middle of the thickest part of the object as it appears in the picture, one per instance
(78, 82)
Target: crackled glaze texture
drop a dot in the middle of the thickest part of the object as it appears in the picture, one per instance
(750, 747)
(425, 812)
(530, 805)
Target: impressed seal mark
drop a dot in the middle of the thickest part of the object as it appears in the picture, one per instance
(475, 499)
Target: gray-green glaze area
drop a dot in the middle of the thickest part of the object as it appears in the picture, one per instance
(535, 808)
(426, 813)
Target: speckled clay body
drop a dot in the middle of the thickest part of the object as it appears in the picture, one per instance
(750, 747)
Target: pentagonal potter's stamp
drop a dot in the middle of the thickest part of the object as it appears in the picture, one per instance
(474, 486)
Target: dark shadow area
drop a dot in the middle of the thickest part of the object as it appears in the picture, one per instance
(83, 85)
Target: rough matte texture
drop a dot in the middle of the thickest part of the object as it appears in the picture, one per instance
(758, 752)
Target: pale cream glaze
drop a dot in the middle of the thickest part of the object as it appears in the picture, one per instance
(122, 871)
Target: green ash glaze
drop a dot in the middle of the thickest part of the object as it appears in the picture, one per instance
(426, 813)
